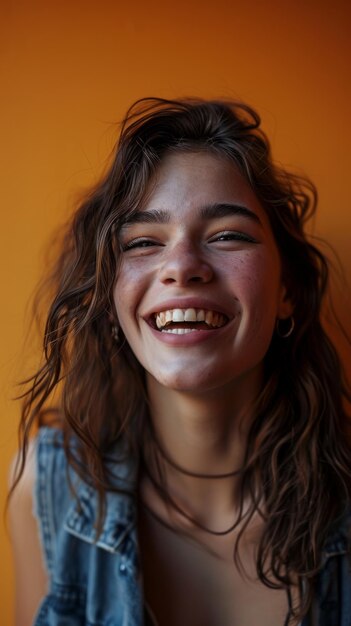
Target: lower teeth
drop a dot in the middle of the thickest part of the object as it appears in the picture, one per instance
(179, 331)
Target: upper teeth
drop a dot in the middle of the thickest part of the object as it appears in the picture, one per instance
(189, 315)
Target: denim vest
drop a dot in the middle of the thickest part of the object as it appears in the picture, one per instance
(97, 581)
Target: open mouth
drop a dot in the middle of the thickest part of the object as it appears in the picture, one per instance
(182, 321)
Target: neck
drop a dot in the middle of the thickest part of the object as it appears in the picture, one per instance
(203, 435)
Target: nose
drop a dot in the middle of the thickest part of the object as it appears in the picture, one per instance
(185, 264)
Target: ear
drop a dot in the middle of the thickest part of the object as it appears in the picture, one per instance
(285, 306)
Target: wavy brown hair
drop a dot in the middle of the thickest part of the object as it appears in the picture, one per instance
(297, 465)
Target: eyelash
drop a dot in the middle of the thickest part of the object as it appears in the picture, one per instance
(233, 235)
(135, 243)
(142, 242)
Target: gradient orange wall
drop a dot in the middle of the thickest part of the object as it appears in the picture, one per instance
(69, 71)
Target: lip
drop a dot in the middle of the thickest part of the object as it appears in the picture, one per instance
(198, 336)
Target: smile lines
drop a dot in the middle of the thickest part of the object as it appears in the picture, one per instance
(172, 320)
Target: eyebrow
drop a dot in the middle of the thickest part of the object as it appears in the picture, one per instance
(208, 212)
(225, 209)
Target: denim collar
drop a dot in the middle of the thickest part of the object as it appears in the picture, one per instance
(119, 520)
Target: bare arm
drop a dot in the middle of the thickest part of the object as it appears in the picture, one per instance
(30, 575)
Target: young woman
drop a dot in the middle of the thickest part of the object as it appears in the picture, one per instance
(198, 471)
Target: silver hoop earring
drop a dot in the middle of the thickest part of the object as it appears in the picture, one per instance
(284, 328)
(115, 332)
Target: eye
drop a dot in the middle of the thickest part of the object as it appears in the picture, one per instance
(231, 235)
(139, 242)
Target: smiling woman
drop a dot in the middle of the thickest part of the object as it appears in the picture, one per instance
(200, 438)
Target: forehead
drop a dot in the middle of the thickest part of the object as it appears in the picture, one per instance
(188, 181)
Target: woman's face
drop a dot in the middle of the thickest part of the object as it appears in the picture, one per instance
(199, 287)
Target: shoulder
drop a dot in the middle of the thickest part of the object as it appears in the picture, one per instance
(77, 556)
(42, 493)
(44, 456)
(21, 499)
(31, 579)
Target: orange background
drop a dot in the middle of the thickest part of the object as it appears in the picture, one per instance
(70, 69)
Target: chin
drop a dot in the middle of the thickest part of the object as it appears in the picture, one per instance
(183, 382)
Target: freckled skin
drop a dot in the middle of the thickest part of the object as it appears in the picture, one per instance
(188, 258)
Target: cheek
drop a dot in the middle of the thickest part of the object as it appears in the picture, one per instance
(130, 286)
(256, 276)
(124, 295)
(257, 281)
